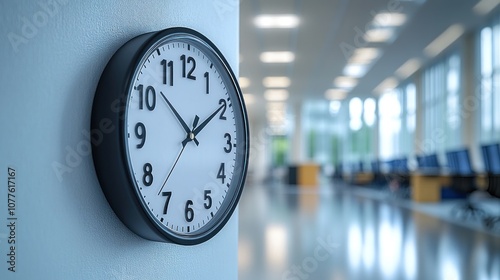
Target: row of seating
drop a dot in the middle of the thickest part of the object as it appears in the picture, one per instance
(491, 154)
(458, 173)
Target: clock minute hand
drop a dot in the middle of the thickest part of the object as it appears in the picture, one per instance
(179, 118)
(204, 123)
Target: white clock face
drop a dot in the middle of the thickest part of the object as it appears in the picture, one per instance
(184, 136)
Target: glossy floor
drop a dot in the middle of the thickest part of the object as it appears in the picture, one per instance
(331, 232)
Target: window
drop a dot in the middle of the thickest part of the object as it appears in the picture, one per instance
(489, 82)
(390, 124)
(453, 96)
(442, 96)
(322, 130)
(369, 115)
(355, 113)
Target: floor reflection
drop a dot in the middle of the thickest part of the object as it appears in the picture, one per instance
(332, 233)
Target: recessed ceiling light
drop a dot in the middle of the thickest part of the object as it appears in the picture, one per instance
(244, 82)
(389, 19)
(385, 85)
(276, 94)
(277, 21)
(378, 35)
(364, 55)
(408, 68)
(276, 82)
(336, 94)
(345, 82)
(450, 35)
(249, 98)
(277, 57)
(355, 70)
(276, 108)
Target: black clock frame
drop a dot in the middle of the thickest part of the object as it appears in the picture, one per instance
(110, 154)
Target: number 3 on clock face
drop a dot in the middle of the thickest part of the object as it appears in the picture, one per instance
(179, 155)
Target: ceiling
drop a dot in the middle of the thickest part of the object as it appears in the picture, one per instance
(328, 32)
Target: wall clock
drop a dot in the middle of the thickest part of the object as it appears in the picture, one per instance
(171, 146)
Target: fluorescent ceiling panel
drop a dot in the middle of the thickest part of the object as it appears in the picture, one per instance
(249, 98)
(364, 55)
(345, 82)
(277, 57)
(484, 7)
(444, 40)
(244, 82)
(385, 85)
(276, 82)
(379, 35)
(336, 94)
(276, 95)
(408, 68)
(355, 70)
(389, 19)
(276, 21)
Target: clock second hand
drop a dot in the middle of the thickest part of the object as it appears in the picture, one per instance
(172, 169)
(190, 137)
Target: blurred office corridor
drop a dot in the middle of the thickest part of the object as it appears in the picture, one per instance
(337, 232)
(369, 93)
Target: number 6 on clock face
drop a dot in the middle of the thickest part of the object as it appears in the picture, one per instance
(174, 167)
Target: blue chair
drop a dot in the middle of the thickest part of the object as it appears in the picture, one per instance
(432, 161)
(421, 161)
(486, 161)
(463, 181)
(494, 158)
(378, 178)
(429, 164)
(399, 177)
(451, 161)
(491, 159)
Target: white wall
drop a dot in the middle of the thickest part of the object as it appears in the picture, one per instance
(49, 73)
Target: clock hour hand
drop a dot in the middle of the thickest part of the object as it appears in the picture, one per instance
(197, 129)
(181, 121)
(204, 123)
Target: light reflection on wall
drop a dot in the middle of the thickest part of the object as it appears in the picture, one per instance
(276, 239)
